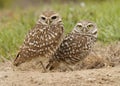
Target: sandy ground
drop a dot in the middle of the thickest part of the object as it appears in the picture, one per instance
(100, 68)
(91, 77)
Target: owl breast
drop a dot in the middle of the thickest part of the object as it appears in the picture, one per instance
(74, 48)
(43, 42)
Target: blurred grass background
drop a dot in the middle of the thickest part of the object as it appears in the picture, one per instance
(18, 16)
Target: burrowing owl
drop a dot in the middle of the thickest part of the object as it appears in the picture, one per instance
(43, 39)
(76, 45)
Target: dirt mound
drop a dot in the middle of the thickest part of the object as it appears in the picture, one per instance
(91, 77)
(100, 68)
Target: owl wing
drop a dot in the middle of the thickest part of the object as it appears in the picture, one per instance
(74, 48)
(64, 52)
(70, 48)
(26, 49)
(40, 43)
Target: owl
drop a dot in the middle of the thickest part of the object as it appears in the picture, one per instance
(43, 39)
(76, 45)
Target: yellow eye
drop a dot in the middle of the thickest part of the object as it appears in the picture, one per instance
(90, 26)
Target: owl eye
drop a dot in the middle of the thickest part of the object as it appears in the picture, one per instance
(54, 17)
(90, 26)
(43, 18)
(79, 26)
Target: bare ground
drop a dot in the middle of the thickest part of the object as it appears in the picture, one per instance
(100, 68)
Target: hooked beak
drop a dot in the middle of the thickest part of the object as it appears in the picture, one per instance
(84, 29)
(48, 21)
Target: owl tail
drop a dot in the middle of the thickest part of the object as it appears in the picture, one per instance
(15, 61)
(18, 60)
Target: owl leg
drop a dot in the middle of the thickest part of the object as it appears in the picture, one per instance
(53, 64)
(68, 66)
(50, 65)
(43, 66)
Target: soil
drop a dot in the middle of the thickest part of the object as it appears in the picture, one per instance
(100, 68)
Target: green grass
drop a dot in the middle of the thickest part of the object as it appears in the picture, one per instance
(15, 23)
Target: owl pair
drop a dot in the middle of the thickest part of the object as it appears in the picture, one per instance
(46, 40)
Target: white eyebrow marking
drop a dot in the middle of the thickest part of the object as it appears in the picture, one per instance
(90, 24)
(54, 15)
(42, 16)
(79, 24)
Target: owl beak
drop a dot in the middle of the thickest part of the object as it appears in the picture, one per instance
(84, 29)
(48, 22)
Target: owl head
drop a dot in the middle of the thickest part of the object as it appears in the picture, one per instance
(49, 18)
(86, 28)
